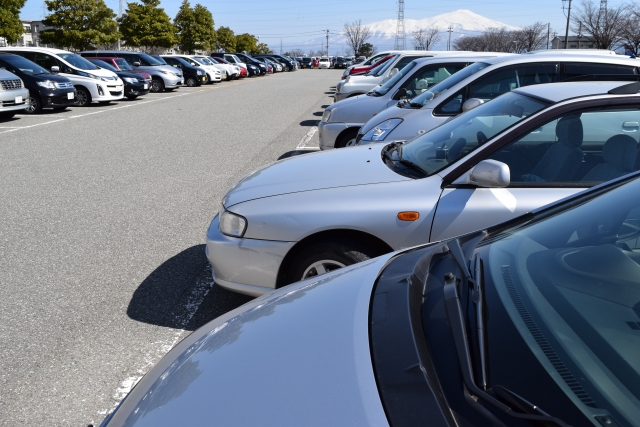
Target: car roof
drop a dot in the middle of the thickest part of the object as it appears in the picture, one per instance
(8, 49)
(455, 58)
(541, 57)
(556, 92)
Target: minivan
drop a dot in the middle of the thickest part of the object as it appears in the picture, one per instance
(92, 84)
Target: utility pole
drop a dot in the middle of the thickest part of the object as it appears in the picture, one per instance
(566, 34)
(327, 43)
(449, 30)
(401, 37)
(120, 13)
(280, 46)
(579, 34)
(548, 34)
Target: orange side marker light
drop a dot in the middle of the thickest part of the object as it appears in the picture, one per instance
(408, 216)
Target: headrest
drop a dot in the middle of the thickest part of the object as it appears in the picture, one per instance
(422, 84)
(620, 152)
(569, 131)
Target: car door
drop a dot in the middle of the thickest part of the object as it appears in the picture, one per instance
(565, 154)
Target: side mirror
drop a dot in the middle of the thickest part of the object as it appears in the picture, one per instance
(487, 173)
(393, 72)
(401, 93)
(136, 64)
(55, 69)
(471, 103)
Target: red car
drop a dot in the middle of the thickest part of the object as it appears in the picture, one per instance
(315, 63)
(356, 70)
(122, 65)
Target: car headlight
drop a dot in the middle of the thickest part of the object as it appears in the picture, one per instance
(381, 131)
(326, 116)
(231, 224)
(47, 84)
(199, 72)
(130, 80)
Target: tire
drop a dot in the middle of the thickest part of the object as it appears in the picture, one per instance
(132, 97)
(157, 85)
(321, 257)
(346, 138)
(7, 116)
(34, 105)
(191, 82)
(83, 97)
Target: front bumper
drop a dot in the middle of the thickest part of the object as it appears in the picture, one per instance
(8, 97)
(328, 133)
(243, 265)
(57, 100)
(171, 81)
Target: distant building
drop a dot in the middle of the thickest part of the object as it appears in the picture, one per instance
(575, 42)
(31, 36)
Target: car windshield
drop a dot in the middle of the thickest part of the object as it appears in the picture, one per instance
(382, 90)
(306, 59)
(77, 61)
(454, 139)
(122, 64)
(377, 68)
(424, 98)
(104, 65)
(24, 65)
(182, 61)
(149, 60)
(570, 283)
(200, 61)
(384, 67)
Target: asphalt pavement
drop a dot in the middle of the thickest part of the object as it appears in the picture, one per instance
(103, 216)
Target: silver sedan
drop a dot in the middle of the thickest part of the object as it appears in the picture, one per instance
(315, 213)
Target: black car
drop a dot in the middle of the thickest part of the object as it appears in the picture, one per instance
(193, 76)
(341, 62)
(252, 61)
(288, 64)
(46, 90)
(306, 62)
(134, 84)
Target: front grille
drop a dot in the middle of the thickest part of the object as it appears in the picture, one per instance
(11, 84)
(64, 85)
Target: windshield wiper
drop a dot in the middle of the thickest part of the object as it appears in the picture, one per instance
(409, 163)
(457, 325)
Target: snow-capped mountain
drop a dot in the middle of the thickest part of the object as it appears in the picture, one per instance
(463, 23)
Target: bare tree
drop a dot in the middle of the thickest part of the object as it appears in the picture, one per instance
(532, 37)
(296, 52)
(357, 35)
(630, 29)
(425, 38)
(604, 27)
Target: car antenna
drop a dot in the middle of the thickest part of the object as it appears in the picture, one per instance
(628, 89)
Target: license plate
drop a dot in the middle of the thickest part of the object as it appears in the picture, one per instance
(70, 95)
(146, 86)
(18, 100)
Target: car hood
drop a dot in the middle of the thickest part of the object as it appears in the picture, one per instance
(392, 112)
(314, 171)
(362, 107)
(296, 356)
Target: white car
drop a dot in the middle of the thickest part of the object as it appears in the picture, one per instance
(92, 84)
(213, 74)
(324, 63)
(224, 69)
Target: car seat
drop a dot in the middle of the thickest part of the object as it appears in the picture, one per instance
(619, 154)
(562, 159)
(421, 86)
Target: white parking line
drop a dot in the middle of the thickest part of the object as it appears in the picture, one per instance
(305, 139)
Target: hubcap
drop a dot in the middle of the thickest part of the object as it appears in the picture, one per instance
(31, 104)
(81, 98)
(191, 82)
(321, 267)
(155, 85)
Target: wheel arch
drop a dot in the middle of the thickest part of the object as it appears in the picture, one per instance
(338, 143)
(379, 246)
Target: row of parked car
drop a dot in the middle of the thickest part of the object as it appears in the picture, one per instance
(473, 258)
(34, 78)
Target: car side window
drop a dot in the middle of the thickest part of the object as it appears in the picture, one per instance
(45, 61)
(578, 149)
(429, 76)
(581, 69)
(130, 59)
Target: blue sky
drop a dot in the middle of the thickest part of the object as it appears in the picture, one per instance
(294, 21)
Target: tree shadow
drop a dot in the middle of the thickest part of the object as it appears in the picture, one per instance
(180, 293)
(309, 123)
(295, 153)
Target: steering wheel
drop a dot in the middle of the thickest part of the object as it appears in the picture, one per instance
(482, 138)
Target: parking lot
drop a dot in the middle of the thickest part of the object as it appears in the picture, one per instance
(104, 215)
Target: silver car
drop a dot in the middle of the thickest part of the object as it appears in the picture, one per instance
(482, 82)
(341, 120)
(13, 94)
(529, 323)
(314, 213)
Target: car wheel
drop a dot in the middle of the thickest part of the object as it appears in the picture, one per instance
(347, 138)
(83, 97)
(323, 257)
(132, 97)
(34, 105)
(157, 85)
(191, 82)
(7, 116)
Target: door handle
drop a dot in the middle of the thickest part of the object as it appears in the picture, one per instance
(630, 126)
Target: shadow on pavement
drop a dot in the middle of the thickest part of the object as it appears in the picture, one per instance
(171, 293)
(324, 106)
(330, 93)
(318, 113)
(295, 153)
(309, 123)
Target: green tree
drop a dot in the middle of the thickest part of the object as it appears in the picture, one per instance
(204, 28)
(263, 48)
(185, 23)
(367, 49)
(79, 24)
(147, 25)
(226, 39)
(10, 26)
(246, 43)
